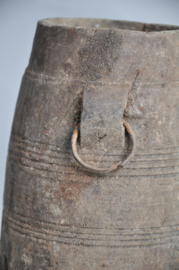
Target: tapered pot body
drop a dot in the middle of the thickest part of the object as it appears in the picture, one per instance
(56, 214)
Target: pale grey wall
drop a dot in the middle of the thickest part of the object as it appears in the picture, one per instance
(17, 27)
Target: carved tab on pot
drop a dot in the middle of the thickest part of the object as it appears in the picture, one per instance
(102, 113)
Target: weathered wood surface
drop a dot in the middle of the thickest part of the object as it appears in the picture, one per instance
(57, 215)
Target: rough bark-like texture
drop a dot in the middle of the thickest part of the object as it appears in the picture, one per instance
(58, 216)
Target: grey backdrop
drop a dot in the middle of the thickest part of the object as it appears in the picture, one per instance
(18, 20)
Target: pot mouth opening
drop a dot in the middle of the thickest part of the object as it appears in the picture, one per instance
(109, 24)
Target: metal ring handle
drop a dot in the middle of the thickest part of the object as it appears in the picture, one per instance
(113, 167)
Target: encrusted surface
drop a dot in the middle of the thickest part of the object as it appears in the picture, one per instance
(57, 215)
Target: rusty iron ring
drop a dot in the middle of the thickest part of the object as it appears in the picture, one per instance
(113, 167)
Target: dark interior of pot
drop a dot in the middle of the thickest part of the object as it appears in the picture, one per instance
(103, 23)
